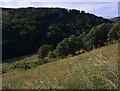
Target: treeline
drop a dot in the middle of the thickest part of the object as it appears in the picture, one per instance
(26, 29)
(97, 37)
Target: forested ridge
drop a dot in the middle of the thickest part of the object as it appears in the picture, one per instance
(26, 29)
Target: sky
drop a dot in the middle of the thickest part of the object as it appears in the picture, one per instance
(106, 8)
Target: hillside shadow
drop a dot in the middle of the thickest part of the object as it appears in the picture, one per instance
(15, 59)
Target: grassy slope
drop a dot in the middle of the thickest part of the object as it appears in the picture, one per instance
(91, 70)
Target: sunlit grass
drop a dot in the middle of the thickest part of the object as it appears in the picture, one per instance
(92, 70)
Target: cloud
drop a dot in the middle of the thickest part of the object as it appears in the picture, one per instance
(95, 6)
(106, 9)
(6, 1)
(109, 10)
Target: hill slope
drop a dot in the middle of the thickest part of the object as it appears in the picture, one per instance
(116, 19)
(26, 29)
(91, 70)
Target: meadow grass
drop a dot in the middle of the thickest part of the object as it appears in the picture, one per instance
(96, 69)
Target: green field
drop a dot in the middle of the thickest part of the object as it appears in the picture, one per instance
(96, 69)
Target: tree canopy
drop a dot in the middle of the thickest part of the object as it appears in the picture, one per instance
(26, 29)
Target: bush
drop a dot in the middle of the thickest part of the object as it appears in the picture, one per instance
(62, 47)
(51, 54)
(42, 61)
(43, 51)
(88, 45)
(114, 33)
(24, 66)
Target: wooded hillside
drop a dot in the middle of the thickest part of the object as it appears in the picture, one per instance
(26, 29)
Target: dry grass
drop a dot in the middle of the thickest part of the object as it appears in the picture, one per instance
(92, 70)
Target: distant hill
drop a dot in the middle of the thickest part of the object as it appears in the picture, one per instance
(114, 19)
(26, 29)
(97, 69)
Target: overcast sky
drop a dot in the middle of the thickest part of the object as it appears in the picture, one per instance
(106, 8)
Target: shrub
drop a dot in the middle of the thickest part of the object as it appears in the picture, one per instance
(51, 54)
(43, 51)
(42, 61)
(24, 66)
(62, 47)
(114, 33)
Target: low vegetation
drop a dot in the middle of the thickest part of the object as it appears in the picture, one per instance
(96, 69)
(98, 36)
(70, 52)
